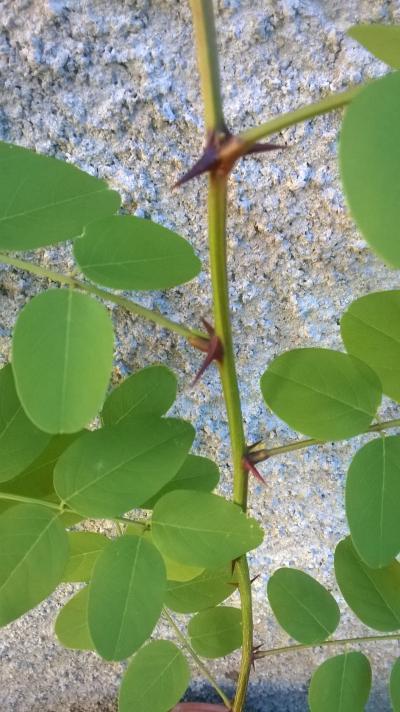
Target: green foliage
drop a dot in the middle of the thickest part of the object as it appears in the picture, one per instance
(197, 473)
(395, 686)
(341, 684)
(369, 160)
(111, 470)
(201, 529)
(126, 252)
(20, 440)
(304, 608)
(216, 632)
(71, 626)
(372, 501)
(126, 594)
(44, 201)
(37, 479)
(61, 378)
(210, 588)
(324, 394)
(150, 391)
(382, 40)
(370, 329)
(35, 551)
(373, 594)
(155, 680)
(84, 550)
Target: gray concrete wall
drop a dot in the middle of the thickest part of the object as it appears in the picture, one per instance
(111, 85)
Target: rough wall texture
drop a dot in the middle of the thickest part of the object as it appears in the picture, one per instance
(111, 85)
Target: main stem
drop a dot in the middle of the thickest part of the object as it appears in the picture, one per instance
(207, 55)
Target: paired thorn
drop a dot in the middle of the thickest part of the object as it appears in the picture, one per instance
(249, 465)
(254, 657)
(221, 152)
(212, 347)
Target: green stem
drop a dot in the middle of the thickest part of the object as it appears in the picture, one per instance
(264, 453)
(30, 500)
(185, 643)
(127, 304)
(325, 643)
(207, 58)
(60, 507)
(283, 121)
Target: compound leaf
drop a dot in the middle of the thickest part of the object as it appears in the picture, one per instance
(155, 679)
(44, 201)
(372, 499)
(216, 632)
(204, 591)
(197, 473)
(150, 391)
(127, 252)
(370, 330)
(126, 595)
(35, 552)
(373, 594)
(341, 684)
(395, 686)
(62, 359)
(304, 608)
(383, 41)
(20, 440)
(369, 160)
(201, 529)
(71, 626)
(322, 393)
(111, 470)
(84, 550)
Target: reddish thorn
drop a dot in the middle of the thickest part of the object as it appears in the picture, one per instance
(208, 327)
(205, 163)
(214, 351)
(255, 578)
(254, 651)
(249, 467)
(254, 445)
(264, 148)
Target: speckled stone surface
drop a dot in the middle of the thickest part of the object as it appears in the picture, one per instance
(111, 85)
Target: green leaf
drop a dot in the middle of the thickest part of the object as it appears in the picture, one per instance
(381, 40)
(369, 161)
(71, 626)
(20, 440)
(204, 591)
(126, 595)
(304, 608)
(372, 501)
(197, 473)
(395, 686)
(373, 594)
(35, 551)
(111, 470)
(216, 632)
(85, 548)
(44, 201)
(322, 393)
(341, 684)
(175, 570)
(155, 679)
(150, 391)
(62, 359)
(127, 252)
(201, 529)
(370, 329)
(37, 479)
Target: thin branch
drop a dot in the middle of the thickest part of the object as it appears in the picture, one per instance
(127, 304)
(185, 643)
(263, 453)
(331, 102)
(339, 641)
